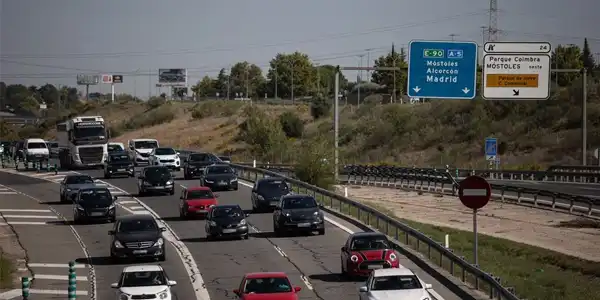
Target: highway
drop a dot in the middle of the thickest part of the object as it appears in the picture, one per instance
(312, 262)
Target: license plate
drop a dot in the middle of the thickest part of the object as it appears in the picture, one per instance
(303, 224)
(97, 214)
(229, 230)
(375, 267)
(159, 187)
(122, 170)
(222, 183)
(140, 251)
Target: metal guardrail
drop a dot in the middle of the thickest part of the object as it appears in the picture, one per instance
(402, 233)
(441, 181)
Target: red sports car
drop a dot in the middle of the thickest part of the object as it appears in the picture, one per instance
(366, 251)
(267, 286)
(196, 201)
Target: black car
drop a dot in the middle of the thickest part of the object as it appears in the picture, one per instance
(226, 220)
(118, 163)
(267, 192)
(195, 163)
(219, 177)
(137, 236)
(94, 204)
(156, 179)
(298, 213)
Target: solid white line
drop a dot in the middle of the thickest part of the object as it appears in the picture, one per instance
(23, 223)
(48, 265)
(138, 212)
(30, 217)
(127, 202)
(58, 277)
(56, 292)
(25, 210)
(474, 192)
(306, 282)
(136, 207)
(279, 251)
(10, 294)
(8, 193)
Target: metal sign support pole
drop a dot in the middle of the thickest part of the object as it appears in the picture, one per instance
(336, 124)
(112, 92)
(475, 242)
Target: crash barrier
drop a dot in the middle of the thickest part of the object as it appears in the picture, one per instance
(441, 181)
(402, 233)
(575, 169)
(72, 289)
(25, 284)
(43, 165)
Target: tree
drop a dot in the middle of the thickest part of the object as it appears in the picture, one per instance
(221, 83)
(245, 76)
(295, 68)
(587, 57)
(386, 78)
(205, 88)
(49, 94)
(326, 80)
(566, 57)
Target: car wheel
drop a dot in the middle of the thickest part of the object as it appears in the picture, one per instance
(183, 213)
(162, 258)
(141, 192)
(113, 219)
(235, 188)
(172, 192)
(186, 176)
(322, 231)
(107, 176)
(342, 271)
(62, 198)
(245, 236)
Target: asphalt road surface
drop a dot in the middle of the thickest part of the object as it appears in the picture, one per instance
(311, 262)
(53, 242)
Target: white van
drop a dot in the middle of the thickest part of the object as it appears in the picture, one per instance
(139, 150)
(35, 150)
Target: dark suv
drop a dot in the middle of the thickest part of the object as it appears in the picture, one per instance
(156, 179)
(267, 192)
(195, 163)
(298, 213)
(118, 163)
(137, 236)
(94, 203)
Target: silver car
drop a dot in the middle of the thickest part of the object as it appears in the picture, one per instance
(71, 184)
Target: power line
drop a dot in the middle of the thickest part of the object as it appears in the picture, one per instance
(246, 46)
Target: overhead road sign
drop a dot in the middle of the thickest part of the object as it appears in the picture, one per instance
(117, 78)
(491, 148)
(474, 192)
(442, 69)
(516, 74)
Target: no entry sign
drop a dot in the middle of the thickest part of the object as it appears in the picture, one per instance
(474, 192)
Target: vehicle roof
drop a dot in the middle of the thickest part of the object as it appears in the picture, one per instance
(35, 141)
(144, 140)
(219, 165)
(266, 275)
(93, 186)
(392, 271)
(115, 143)
(165, 148)
(226, 206)
(135, 217)
(271, 179)
(198, 188)
(367, 234)
(78, 175)
(298, 196)
(142, 268)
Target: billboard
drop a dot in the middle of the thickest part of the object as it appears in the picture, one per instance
(172, 77)
(117, 78)
(106, 78)
(87, 79)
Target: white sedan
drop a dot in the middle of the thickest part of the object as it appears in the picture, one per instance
(167, 157)
(143, 280)
(394, 283)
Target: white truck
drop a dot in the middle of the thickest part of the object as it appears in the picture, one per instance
(83, 142)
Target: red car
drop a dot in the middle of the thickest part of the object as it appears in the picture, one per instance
(267, 286)
(196, 201)
(366, 251)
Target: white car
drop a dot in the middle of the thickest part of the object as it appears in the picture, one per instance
(139, 150)
(35, 150)
(143, 281)
(167, 157)
(394, 283)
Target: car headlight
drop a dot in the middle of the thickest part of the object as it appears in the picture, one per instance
(159, 242)
(208, 181)
(316, 213)
(354, 258)
(234, 180)
(146, 183)
(118, 244)
(163, 294)
(191, 167)
(243, 222)
(170, 182)
(393, 257)
(212, 223)
(261, 198)
(69, 190)
(287, 214)
(124, 297)
(79, 207)
(111, 206)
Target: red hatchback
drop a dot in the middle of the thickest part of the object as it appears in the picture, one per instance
(196, 201)
(267, 286)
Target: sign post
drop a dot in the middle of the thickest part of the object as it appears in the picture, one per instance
(491, 149)
(516, 71)
(474, 192)
(442, 69)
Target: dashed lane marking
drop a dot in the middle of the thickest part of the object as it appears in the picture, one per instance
(3, 210)
(50, 265)
(57, 277)
(30, 216)
(23, 223)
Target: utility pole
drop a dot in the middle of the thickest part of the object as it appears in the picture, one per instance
(452, 36)
(276, 95)
(247, 84)
(228, 83)
(369, 62)
(493, 21)
(149, 84)
(318, 78)
(293, 65)
(394, 65)
(359, 79)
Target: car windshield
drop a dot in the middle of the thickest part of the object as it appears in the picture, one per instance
(151, 278)
(227, 212)
(220, 170)
(267, 285)
(115, 147)
(145, 144)
(200, 194)
(96, 197)
(79, 180)
(137, 225)
(273, 188)
(36, 145)
(395, 282)
(370, 243)
(121, 158)
(164, 151)
(53, 145)
(299, 203)
(200, 157)
(157, 173)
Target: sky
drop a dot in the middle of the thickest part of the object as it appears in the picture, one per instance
(51, 41)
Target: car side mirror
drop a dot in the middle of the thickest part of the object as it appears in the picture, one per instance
(428, 286)
(344, 249)
(247, 215)
(114, 285)
(163, 229)
(363, 289)
(111, 232)
(115, 198)
(297, 289)
(236, 291)
(321, 205)
(171, 282)
(178, 153)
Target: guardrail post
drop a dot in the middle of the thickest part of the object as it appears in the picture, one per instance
(25, 287)
(72, 281)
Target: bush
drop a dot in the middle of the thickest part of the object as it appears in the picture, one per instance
(264, 135)
(215, 109)
(319, 107)
(157, 116)
(291, 124)
(316, 166)
(155, 102)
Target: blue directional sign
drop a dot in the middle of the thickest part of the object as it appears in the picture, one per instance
(445, 70)
(491, 148)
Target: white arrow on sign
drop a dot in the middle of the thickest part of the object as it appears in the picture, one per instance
(466, 90)
(416, 89)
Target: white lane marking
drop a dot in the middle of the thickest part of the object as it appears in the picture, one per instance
(2, 210)
(30, 217)
(7, 193)
(135, 207)
(23, 223)
(349, 231)
(279, 250)
(474, 192)
(48, 265)
(58, 277)
(56, 292)
(137, 212)
(306, 282)
(127, 202)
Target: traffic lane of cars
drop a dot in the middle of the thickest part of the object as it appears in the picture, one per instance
(95, 237)
(222, 263)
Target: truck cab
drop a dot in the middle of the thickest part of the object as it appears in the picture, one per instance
(140, 149)
(83, 142)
